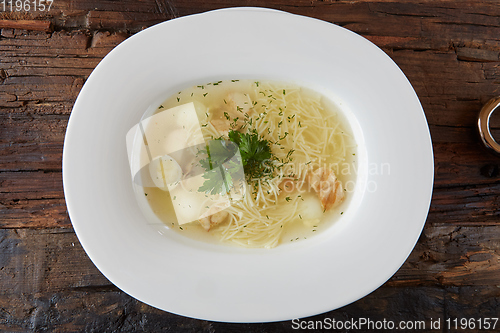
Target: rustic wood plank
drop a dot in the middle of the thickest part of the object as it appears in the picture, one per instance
(471, 302)
(50, 88)
(479, 55)
(24, 127)
(62, 43)
(37, 261)
(453, 255)
(35, 25)
(451, 91)
(467, 205)
(31, 156)
(460, 164)
(33, 213)
(123, 20)
(30, 185)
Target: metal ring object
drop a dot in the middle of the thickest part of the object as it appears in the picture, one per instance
(483, 125)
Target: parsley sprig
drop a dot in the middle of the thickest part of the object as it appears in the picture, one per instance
(223, 170)
(221, 165)
(255, 152)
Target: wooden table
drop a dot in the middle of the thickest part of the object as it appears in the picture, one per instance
(449, 50)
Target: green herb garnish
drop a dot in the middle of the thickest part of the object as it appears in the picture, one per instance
(223, 169)
(254, 151)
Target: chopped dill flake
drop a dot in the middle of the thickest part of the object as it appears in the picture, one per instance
(202, 87)
(161, 107)
(205, 94)
(267, 217)
(181, 228)
(300, 217)
(257, 83)
(204, 125)
(288, 199)
(341, 213)
(175, 197)
(145, 194)
(234, 80)
(225, 101)
(178, 99)
(284, 92)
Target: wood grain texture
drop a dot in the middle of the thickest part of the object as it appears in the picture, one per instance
(448, 49)
(35, 25)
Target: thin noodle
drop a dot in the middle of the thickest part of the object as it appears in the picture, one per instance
(290, 119)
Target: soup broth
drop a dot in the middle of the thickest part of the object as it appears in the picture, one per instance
(296, 150)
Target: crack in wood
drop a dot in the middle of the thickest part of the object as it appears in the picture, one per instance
(96, 288)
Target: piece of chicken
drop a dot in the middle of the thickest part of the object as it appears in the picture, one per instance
(327, 186)
(215, 215)
(232, 114)
(221, 125)
(289, 185)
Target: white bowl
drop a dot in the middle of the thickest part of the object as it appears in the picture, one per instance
(221, 283)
